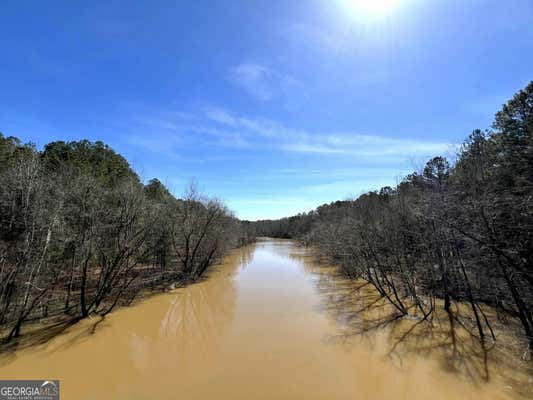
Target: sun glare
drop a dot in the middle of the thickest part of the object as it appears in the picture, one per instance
(371, 8)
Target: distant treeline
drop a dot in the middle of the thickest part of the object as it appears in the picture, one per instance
(461, 233)
(80, 233)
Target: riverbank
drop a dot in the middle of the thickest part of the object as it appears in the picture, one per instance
(447, 339)
(55, 317)
(271, 321)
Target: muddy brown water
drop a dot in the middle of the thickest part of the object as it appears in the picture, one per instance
(269, 323)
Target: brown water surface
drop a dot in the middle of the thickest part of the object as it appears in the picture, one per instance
(269, 323)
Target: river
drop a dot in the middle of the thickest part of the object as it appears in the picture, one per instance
(269, 323)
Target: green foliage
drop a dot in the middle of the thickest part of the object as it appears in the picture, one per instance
(12, 149)
(156, 191)
(94, 158)
(8, 146)
(513, 142)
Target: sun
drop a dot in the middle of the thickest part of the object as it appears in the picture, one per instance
(371, 8)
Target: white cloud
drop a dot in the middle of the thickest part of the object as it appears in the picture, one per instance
(312, 148)
(265, 84)
(324, 143)
(216, 126)
(255, 79)
(219, 115)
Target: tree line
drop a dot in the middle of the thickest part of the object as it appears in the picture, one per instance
(445, 234)
(80, 233)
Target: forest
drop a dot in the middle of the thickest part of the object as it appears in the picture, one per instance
(80, 233)
(451, 233)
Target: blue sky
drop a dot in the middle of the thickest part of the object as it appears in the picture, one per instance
(274, 106)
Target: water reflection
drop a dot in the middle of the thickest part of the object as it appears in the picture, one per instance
(196, 321)
(272, 322)
(363, 316)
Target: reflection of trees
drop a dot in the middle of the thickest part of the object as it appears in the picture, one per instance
(245, 255)
(282, 248)
(197, 318)
(450, 338)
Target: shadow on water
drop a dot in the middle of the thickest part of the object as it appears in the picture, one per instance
(361, 314)
(181, 332)
(196, 314)
(40, 337)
